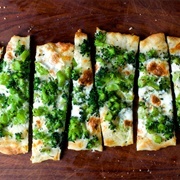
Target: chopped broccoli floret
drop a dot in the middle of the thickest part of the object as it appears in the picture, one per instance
(18, 136)
(76, 130)
(36, 83)
(19, 49)
(54, 120)
(109, 52)
(152, 53)
(142, 57)
(159, 123)
(152, 81)
(100, 38)
(148, 80)
(85, 48)
(92, 102)
(175, 59)
(49, 92)
(3, 101)
(165, 84)
(92, 142)
(75, 75)
(42, 110)
(52, 140)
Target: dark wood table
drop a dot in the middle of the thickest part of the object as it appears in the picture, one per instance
(58, 20)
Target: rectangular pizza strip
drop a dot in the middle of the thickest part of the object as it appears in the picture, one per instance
(14, 96)
(114, 80)
(174, 50)
(84, 128)
(155, 111)
(53, 63)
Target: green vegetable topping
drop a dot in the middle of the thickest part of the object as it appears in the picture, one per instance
(157, 139)
(40, 69)
(61, 77)
(92, 142)
(159, 123)
(114, 83)
(100, 38)
(162, 83)
(152, 53)
(49, 139)
(19, 49)
(42, 110)
(175, 59)
(55, 119)
(49, 92)
(76, 130)
(18, 136)
(15, 76)
(85, 48)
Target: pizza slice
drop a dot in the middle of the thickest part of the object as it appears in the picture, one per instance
(174, 50)
(53, 63)
(114, 80)
(155, 112)
(14, 96)
(84, 127)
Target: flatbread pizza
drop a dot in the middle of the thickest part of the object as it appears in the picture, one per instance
(14, 96)
(84, 127)
(114, 80)
(155, 111)
(53, 63)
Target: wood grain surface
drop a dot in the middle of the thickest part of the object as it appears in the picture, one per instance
(58, 20)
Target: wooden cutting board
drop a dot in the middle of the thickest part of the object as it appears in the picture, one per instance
(55, 20)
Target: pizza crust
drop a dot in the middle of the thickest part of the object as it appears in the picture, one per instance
(154, 41)
(124, 41)
(145, 143)
(11, 147)
(174, 45)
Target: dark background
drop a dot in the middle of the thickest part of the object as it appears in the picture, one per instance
(58, 20)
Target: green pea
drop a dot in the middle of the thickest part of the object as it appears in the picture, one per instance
(161, 127)
(108, 116)
(157, 139)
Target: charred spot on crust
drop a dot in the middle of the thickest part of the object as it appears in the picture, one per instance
(155, 100)
(86, 78)
(94, 122)
(158, 69)
(127, 123)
